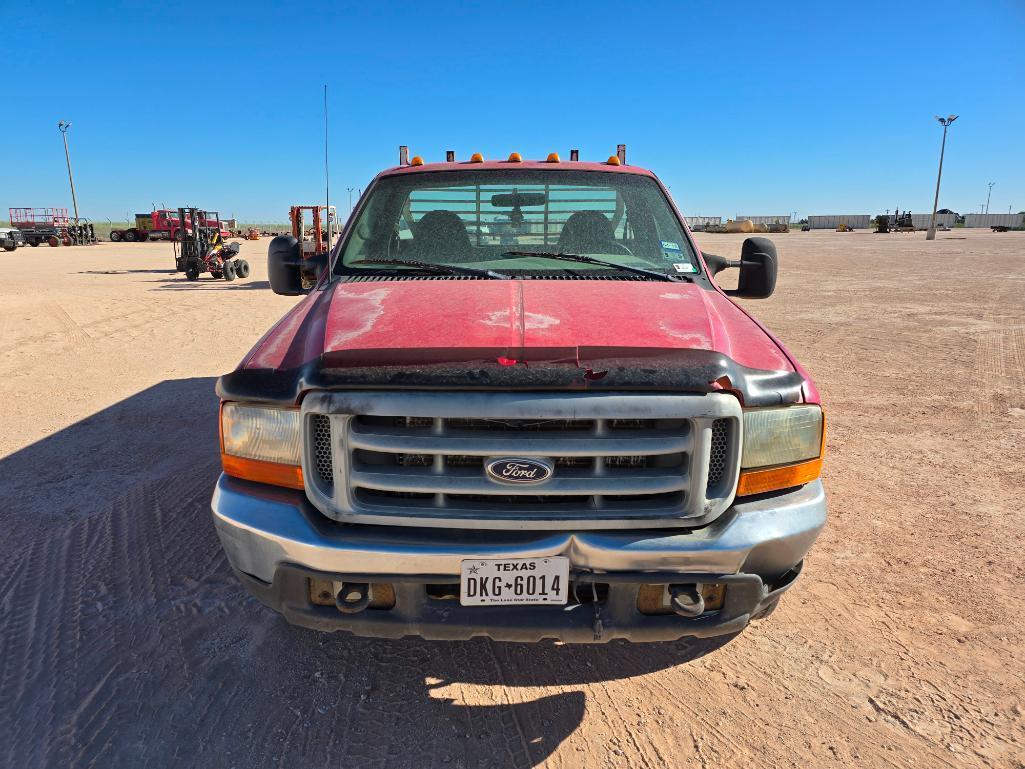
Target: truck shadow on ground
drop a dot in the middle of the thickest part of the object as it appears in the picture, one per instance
(206, 283)
(125, 272)
(127, 640)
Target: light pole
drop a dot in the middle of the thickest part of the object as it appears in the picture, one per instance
(350, 189)
(945, 121)
(63, 127)
(989, 195)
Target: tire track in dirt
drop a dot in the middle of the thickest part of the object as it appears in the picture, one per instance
(5, 322)
(899, 647)
(171, 653)
(520, 755)
(108, 327)
(74, 332)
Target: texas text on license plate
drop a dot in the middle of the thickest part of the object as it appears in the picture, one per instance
(485, 582)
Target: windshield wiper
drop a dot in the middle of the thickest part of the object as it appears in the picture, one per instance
(444, 269)
(584, 259)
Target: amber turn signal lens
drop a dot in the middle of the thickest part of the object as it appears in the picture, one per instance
(774, 478)
(553, 157)
(476, 157)
(514, 157)
(256, 470)
(612, 161)
(416, 161)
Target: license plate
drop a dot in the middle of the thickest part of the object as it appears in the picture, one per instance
(512, 581)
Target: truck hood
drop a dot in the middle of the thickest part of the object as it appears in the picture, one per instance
(453, 334)
(417, 322)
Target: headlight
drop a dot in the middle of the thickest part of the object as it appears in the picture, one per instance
(780, 436)
(261, 443)
(782, 448)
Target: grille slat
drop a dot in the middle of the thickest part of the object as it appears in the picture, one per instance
(420, 458)
(572, 443)
(572, 482)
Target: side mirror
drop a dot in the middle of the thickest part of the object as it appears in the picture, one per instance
(289, 273)
(283, 266)
(758, 267)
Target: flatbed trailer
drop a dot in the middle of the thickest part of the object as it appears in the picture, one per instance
(52, 226)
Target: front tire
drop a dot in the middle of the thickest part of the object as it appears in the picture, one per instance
(229, 271)
(242, 268)
(131, 236)
(192, 272)
(115, 236)
(54, 241)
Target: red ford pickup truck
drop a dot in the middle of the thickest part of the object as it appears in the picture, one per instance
(514, 402)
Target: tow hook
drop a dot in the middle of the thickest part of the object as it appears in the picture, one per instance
(686, 600)
(353, 597)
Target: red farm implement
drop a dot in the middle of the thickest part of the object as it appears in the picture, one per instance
(52, 226)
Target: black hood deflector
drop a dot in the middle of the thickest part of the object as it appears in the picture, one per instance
(580, 369)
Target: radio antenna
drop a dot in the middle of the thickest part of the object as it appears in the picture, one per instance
(327, 186)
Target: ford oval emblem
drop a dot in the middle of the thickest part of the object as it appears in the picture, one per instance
(515, 470)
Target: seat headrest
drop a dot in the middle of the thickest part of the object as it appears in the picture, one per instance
(587, 232)
(440, 234)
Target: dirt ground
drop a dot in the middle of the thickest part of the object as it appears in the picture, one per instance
(125, 641)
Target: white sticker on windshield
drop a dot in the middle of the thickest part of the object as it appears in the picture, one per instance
(684, 267)
(669, 245)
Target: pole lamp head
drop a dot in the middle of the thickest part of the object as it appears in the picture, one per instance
(946, 121)
(63, 126)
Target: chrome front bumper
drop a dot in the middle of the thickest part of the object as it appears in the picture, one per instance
(275, 539)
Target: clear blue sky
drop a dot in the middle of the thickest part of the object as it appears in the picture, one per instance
(753, 108)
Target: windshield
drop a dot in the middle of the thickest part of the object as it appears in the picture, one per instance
(475, 218)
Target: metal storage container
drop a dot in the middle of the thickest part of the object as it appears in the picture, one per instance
(994, 220)
(765, 219)
(700, 222)
(921, 221)
(857, 221)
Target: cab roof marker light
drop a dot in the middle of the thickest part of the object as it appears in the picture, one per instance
(476, 157)
(621, 153)
(553, 157)
(514, 157)
(450, 156)
(403, 155)
(612, 161)
(416, 161)
(574, 155)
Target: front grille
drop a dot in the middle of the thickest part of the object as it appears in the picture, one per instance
(619, 460)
